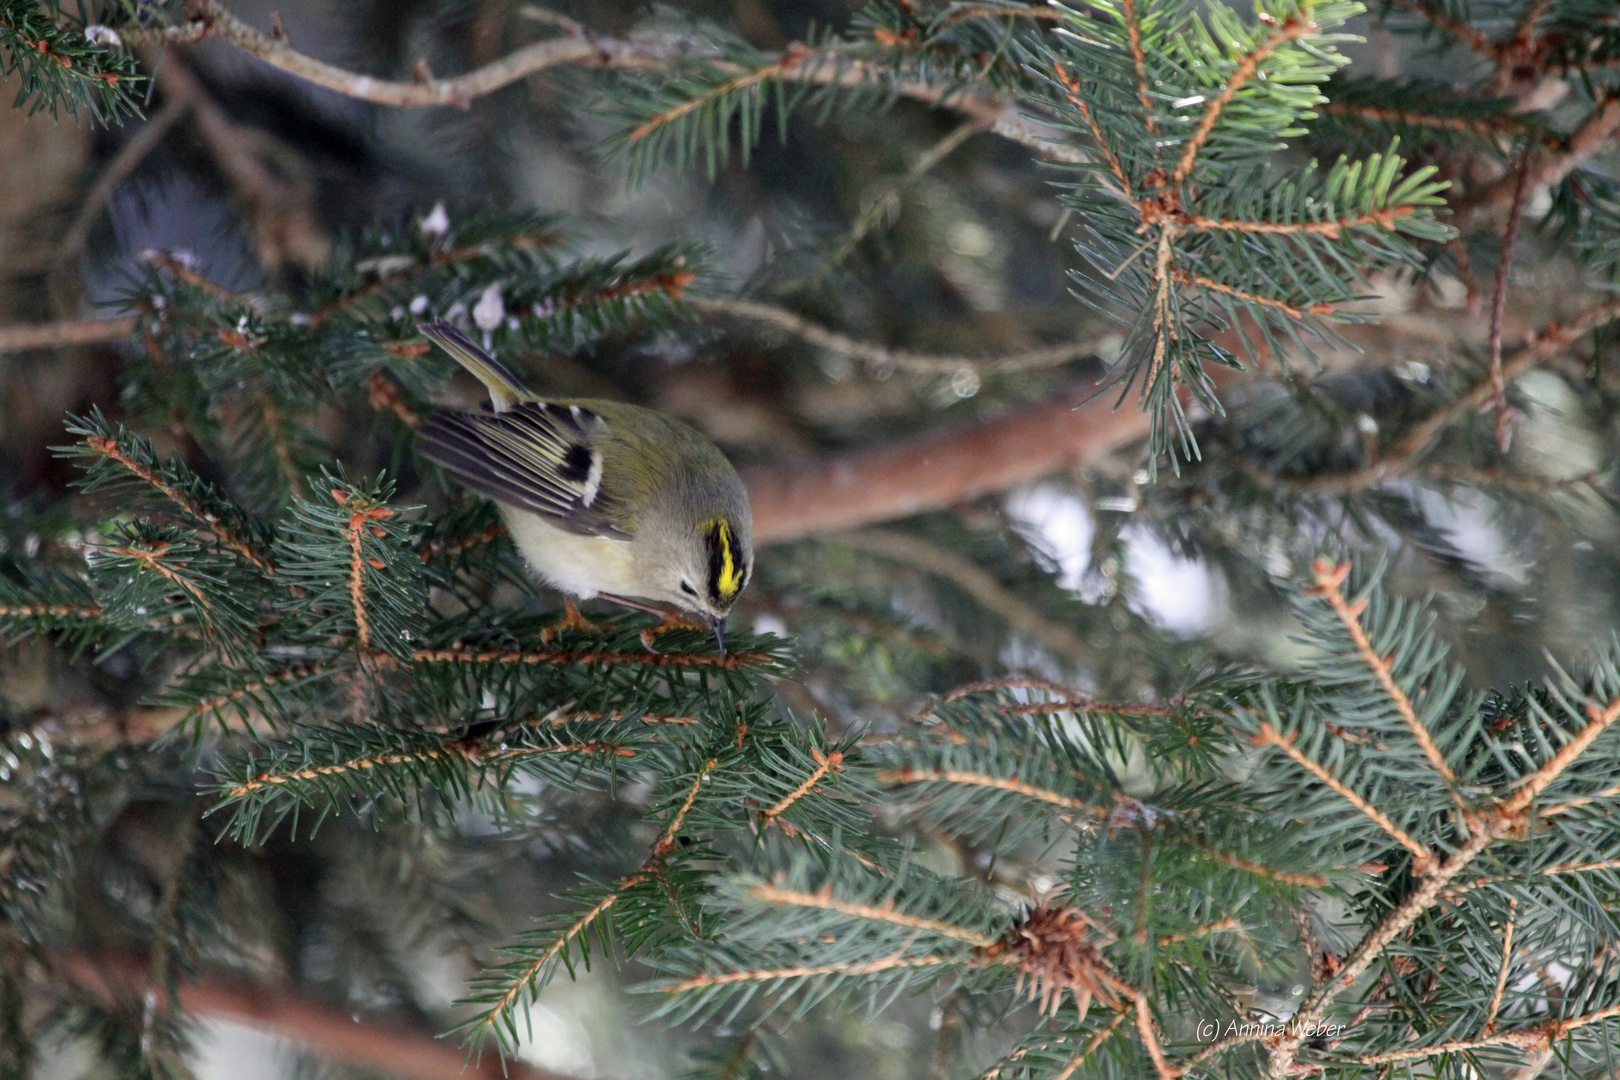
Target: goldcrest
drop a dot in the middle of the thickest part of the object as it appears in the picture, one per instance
(602, 498)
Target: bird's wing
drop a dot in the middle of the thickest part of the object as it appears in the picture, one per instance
(538, 456)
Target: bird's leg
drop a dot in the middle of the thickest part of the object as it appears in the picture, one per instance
(571, 620)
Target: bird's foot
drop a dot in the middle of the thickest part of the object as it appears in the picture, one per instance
(672, 621)
(571, 620)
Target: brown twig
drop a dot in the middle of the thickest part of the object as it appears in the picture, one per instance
(109, 448)
(1371, 946)
(851, 968)
(1543, 167)
(1211, 284)
(1133, 33)
(151, 558)
(1499, 401)
(360, 521)
(605, 657)
(1599, 720)
(1259, 869)
(456, 747)
(1489, 1027)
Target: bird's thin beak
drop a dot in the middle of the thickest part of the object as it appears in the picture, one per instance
(719, 625)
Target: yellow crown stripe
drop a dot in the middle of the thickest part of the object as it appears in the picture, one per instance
(729, 581)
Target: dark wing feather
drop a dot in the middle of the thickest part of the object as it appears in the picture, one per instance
(537, 455)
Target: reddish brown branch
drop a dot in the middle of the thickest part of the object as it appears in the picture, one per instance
(1544, 167)
(936, 470)
(380, 1046)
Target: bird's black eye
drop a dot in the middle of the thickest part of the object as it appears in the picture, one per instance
(687, 589)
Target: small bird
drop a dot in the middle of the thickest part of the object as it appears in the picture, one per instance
(602, 498)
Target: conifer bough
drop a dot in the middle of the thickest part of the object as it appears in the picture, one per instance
(1424, 874)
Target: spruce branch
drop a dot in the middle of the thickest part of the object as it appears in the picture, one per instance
(457, 747)
(830, 762)
(1079, 1059)
(61, 66)
(852, 968)
(1286, 877)
(1297, 25)
(175, 484)
(1330, 578)
(886, 912)
(1489, 1027)
(995, 783)
(524, 981)
(1270, 737)
(592, 657)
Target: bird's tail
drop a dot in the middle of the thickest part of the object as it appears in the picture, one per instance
(504, 388)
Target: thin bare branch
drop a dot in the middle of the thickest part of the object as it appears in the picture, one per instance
(59, 335)
(1499, 401)
(898, 359)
